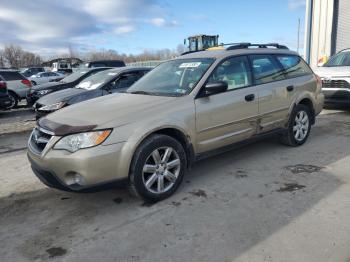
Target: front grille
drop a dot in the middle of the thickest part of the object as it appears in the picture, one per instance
(39, 139)
(335, 84)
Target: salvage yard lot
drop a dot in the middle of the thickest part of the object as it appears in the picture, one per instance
(263, 202)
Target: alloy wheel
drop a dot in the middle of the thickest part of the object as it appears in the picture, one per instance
(161, 170)
(301, 126)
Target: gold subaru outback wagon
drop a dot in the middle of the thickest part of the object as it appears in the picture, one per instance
(184, 109)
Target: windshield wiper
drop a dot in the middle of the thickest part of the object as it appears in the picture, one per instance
(140, 92)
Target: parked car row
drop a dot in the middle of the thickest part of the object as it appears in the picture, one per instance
(183, 110)
(101, 83)
(20, 84)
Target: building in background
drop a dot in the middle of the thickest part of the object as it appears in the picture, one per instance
(327, 29)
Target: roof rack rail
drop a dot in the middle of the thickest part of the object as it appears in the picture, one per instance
(247, 45)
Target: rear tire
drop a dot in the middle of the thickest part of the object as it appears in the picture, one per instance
(158, 167)
(14, 100)
(299, 126)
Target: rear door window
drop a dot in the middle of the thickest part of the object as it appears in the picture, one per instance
(294, 66)
(11, 76)
(266, 69)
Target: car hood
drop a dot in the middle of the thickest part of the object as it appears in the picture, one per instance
(336, 71)
(110, 111)
(49, 85)
(60, 96)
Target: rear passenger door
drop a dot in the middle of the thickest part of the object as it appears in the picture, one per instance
(274, 91)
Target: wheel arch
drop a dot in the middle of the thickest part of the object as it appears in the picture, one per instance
(175, 133)
(308, 102)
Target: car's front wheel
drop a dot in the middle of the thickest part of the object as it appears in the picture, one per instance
(157, 168)
(14, 100)
(299, 126)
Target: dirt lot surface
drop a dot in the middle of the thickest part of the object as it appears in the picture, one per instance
(263, 202)
(16, 120)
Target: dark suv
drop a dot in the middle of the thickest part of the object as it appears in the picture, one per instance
(5, 101)
(103, 63)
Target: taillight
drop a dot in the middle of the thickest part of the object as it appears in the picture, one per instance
(3, 84)
(26, 82)
(318, 80)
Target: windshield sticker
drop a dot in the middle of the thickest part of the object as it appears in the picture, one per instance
(190, 65)
(112, 74)
(181, 91)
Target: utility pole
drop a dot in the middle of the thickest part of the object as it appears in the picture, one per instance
(298, 44)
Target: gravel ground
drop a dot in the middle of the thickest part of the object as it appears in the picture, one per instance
(263, 202)
(18, 120)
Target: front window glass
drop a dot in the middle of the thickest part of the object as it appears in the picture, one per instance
(340, 59)
(173, 78)
(233, 71)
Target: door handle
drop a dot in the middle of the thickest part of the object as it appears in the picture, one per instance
(249, 98)
(290, 88)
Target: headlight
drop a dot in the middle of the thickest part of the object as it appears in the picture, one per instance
(52, 107)
(73, 143)
(43, 92)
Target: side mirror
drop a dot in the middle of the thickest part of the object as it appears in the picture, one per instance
(215, 87)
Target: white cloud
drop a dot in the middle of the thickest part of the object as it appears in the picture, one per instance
(125, 29)
(295, 4)
(43, 25)
(161, 22)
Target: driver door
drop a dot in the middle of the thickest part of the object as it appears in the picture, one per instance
(231, 116)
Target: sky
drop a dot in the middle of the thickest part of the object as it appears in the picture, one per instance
(50, 27)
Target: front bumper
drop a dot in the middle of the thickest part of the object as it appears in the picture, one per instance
(96, 166)
(337, 95)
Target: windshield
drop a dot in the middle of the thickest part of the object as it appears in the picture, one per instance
(340, 59)
(97, 80)
(74, 76)
(173, 78)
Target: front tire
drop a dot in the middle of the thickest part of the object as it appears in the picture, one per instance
(158, 167)
(299, 126)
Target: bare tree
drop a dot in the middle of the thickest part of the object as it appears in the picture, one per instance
(15, 56)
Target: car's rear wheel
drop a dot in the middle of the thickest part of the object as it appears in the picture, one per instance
(14, 100)
(299, 126)
(157, 168)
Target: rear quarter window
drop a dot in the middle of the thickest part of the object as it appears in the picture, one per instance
(11, 76)
(294, 66)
